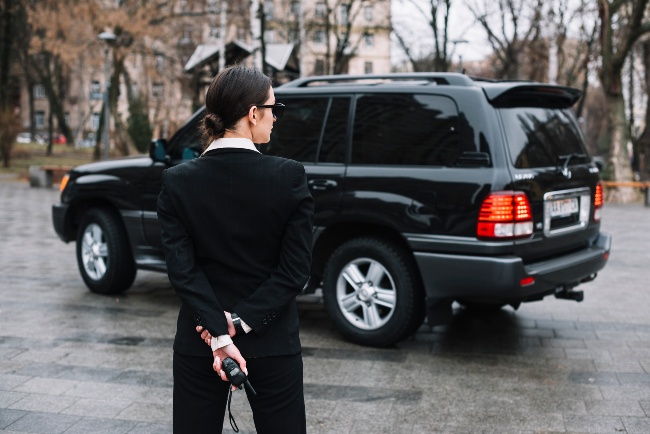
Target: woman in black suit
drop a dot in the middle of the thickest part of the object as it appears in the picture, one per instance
(237, 233)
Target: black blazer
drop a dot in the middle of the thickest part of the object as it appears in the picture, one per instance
(237, 234)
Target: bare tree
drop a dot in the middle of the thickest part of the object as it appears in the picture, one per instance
(572, 31)
(436, 13)
(510, 27)
(622, 23)
(57, 42)
(643, 143)
(12, 22)
(339, 24)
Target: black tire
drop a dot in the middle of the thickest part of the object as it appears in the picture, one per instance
(379, 313)
(103, 253)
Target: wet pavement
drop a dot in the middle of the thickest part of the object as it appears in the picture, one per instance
(76, 362)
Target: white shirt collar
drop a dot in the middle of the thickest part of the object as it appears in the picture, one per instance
(232, 142)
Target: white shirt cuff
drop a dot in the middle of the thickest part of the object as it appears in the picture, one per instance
(245, 326)
(220, 341)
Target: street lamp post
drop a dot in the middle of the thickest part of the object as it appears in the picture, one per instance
(109, 38)
(460, 56)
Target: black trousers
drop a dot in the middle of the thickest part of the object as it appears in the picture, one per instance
(200, 396)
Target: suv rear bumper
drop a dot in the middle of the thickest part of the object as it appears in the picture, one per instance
(497, 279)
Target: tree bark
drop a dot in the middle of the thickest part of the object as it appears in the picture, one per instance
(6, 48)
(620, 167)
(644, 140)
(614, 51)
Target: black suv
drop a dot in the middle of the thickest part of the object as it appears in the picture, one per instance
(430, 189)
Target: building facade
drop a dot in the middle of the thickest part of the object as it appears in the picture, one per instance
(169, 73)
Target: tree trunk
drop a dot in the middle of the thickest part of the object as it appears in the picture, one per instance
(118, 134)
(6, 47)
(328, 43)
(97, 152)
(644, 140)
(620, 167)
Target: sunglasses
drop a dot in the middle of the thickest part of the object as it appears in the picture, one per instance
(277, 109)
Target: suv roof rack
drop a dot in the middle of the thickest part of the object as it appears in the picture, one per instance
(439, 78)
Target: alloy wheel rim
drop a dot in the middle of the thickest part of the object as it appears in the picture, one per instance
(94, 251)
(366, 293)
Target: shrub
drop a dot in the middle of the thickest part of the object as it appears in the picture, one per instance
(139, 127)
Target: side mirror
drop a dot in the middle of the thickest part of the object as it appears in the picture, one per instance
(157, 151)
(599, 162)
(189, 154)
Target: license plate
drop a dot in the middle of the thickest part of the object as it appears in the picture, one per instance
(564, 207)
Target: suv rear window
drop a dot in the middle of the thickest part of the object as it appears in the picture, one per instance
(407, 129)
(537, 137)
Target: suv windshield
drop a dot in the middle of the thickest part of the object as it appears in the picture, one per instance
(539, 137)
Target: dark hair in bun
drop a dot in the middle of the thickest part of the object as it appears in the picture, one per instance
(229, 97)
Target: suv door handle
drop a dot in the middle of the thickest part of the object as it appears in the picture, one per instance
(322, 184)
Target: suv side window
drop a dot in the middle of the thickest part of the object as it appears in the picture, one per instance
(332, 149)
(297, 134)
(407, 129)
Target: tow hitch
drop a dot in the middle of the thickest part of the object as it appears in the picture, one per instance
(570, 294)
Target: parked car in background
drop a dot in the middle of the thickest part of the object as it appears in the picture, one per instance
(24, 138)
(59, 139)
(430, 189)
(87, 142)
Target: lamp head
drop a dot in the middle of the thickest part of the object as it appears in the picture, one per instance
(107, 36)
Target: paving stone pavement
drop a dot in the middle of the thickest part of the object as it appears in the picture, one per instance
(76, 362)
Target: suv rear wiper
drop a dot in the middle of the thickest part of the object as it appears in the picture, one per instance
(567, 158)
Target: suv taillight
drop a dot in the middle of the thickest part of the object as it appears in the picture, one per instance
(599, 200)
(505, 215)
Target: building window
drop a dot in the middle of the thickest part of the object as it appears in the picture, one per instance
(66, 117)
(39, 118)
(39, 91)
(157, 90)
(294, 35)
(295, 8)
(367, 67)
(160, 62)
(95, 90)
(94, 121)
(186, 38)
(345, 12)
(213, 6)
(319, 10)
(268, 10)
(369, 39)
(319, 67)
(319, 37)
(214, 31)
(182, 5)
(269, 36)
(367, 12)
